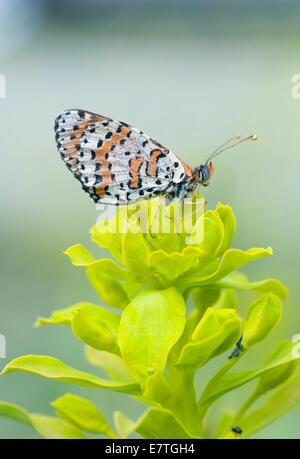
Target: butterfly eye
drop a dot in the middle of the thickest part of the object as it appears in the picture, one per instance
(204, 174)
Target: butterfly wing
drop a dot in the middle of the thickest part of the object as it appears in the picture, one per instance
(115, 162)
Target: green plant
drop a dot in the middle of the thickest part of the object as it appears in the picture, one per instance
(151, 348)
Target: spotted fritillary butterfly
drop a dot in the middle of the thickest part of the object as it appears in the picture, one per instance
(117, 164)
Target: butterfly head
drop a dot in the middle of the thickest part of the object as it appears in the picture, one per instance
(206, 171)
(203, 174)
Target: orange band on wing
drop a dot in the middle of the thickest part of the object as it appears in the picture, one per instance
(135, 165)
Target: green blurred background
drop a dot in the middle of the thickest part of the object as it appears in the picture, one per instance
(190, 74)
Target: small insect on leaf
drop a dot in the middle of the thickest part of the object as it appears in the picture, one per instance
(236, 429)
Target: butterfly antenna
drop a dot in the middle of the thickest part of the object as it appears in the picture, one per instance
(237, 136)
(221, 148)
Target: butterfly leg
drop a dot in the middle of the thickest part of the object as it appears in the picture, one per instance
(154, 216)
(189, 216)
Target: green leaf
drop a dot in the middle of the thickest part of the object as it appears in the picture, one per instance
(217, 331)
(232, 260)
(109, 289)
(124, 425)
(224, 423)
(112, 269)
(157, 387)
(83, 414)
(262, 316)
(213, 235)
(48, 427)
(156, 423)
(150, 325)
(79, 255)
(64, 316)
(132, 288)
(171, 265)
(109, 237)
(112, 364)
(233, 380)
(229, 222)
(136, 250)
(11, 411)
(104, 274)
(165, 229)
(53, 428)
(59, 317)
(97, 327)
(265, 286)
(278, 375)
(51, 368)
(159, 423)
(282, 400)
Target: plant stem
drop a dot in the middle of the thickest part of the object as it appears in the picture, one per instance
(215, 379)
(183, 400)
(240, 413)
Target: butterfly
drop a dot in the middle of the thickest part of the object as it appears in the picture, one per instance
(118, 164)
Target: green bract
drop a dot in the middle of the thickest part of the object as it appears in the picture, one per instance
(216, 332)
(150, 347)
(151, 324)
(263, 315)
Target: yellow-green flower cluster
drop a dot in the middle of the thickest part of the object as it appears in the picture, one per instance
(150, 346)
